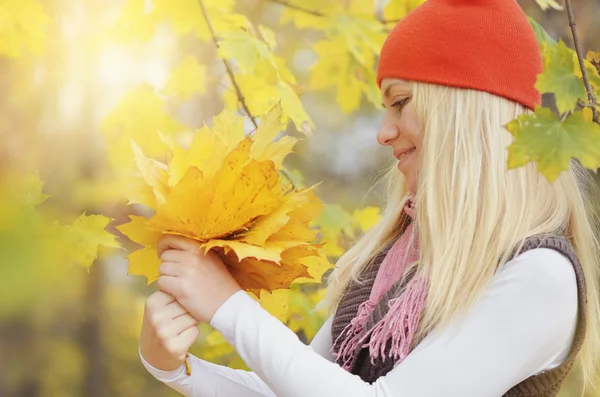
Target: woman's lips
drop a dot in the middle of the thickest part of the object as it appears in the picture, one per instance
(402, 155)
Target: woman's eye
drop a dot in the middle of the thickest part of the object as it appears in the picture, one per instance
(400, 104)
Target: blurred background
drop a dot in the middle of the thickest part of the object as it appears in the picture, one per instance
(68, 330)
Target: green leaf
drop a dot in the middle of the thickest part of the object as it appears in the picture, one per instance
(245, 49)
(542, 138)
(541, 35)
(558, 77)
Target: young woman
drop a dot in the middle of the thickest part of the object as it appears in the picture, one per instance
(478, 281)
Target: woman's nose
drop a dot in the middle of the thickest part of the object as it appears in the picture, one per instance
(387, 134)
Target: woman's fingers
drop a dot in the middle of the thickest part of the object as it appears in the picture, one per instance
(171, 241)
(189, 335)
(169, 284)
(176, 326)
(173, 269)
(174, 310)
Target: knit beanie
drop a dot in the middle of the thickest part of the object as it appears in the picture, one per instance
(486, 45)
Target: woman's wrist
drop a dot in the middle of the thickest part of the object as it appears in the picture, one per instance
(164, 364)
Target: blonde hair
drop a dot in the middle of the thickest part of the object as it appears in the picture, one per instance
(471, 212)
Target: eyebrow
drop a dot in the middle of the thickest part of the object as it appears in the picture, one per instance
(386, 93)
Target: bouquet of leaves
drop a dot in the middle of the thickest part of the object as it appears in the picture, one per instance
(226, 192)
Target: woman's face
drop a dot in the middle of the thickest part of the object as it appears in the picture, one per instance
(400, 129)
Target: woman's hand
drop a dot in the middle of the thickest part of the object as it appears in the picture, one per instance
(200, 283)
(168, 331)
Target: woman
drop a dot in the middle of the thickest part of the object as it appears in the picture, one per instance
(478, 281)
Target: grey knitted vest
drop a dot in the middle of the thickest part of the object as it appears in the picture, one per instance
(546, 384)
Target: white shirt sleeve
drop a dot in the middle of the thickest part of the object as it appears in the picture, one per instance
(523, 324)
(213, 380)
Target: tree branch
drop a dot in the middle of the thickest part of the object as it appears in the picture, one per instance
(320, 14)
(591, 98)
(298, 8)
(238, 91)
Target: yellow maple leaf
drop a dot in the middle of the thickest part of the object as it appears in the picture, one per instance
(119, 128)
(84, 236)
(253, 274)
(187, 79)
(138, 231)
(154, 173)
(225, 192)
(144, 262)
(275, 302)
(367, 217)
(22, 25)
(239, 192)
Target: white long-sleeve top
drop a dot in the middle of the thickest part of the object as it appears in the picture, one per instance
(523, 324)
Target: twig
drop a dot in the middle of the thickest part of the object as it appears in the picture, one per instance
(591, 98)
(227, 66)
(320, 14)
(289, 178)
(388, 21)
(298, 8)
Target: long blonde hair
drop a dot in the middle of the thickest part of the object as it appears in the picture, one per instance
(471, 212)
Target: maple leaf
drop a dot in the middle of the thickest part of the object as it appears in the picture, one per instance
(558, 77)
(332, 222)
(225, 192)
(366, 218)
(546, 4)
(84, 236)
(188, 78)
(395, 10)
(275, 302)
(136, 23)
(22, 25)
(541, 35)
(119, 128)
(542, 138)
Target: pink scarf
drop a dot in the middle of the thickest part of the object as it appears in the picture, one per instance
(401, 321)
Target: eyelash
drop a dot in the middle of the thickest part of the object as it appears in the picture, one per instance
(400, 104)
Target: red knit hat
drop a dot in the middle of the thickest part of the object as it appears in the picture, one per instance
(487, 45)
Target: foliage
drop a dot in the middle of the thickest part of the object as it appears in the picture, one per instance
(249, 57)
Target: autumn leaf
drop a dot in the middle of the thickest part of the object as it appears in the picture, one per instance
(558, 77)
(225, 192)
(542, 138)
(332, 223)
(22, 26)
(275, 302)
(546, 4)
(119, 127)
(188, 78)
(541, 35)
(144, 262)
(136, 23)
(396, 9)
(84, 236)
(366, 218)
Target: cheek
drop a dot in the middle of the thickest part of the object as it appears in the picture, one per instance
(410, 127)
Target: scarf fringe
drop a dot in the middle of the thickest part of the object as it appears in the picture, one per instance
(402, 319)
(399, 324)
(351, 333)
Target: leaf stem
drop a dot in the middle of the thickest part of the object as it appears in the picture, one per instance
(227, 66)
(591, 98)
(320, 14)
